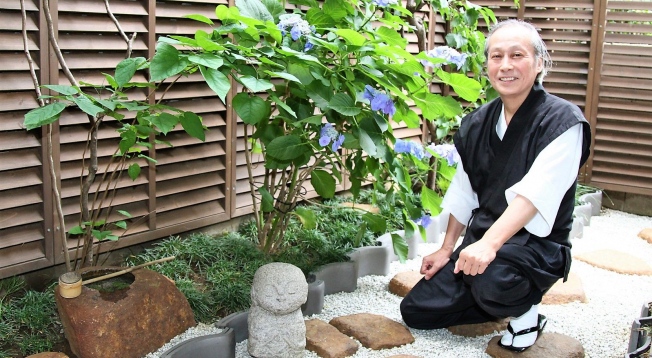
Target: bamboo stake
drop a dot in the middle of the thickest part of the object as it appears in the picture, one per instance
(127, 270)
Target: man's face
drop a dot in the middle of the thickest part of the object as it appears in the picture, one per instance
(511, 64)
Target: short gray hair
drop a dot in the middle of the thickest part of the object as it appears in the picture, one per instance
(540, 50)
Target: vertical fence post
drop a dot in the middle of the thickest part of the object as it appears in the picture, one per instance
(598, 29)
(231, 149)
(151, 167)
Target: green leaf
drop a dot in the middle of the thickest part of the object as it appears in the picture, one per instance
(110, 104)
(43, 115)
(323, 182)
(434, 106)
(310, 120)
(126, 69)
(255, 84)
(200, 18)
(165, 122)
(121, 224)
(148, 158)
(77, 230)
(302, 73)
(64, 90)
(282, 104)
(285, 148)
(207, 59)
(394, 52)
(112, 237)
(315, 16)
(375, 223)
(336, 9)
(254, 9)
(87, 106)
(456, 40)
(465, 87)
(166, 62)
(275, 9)
(284, 75)
(191, 123)
(204, 41)
(430, 201)
(391, 37)
(400, 247)
(344, 104)
(352, 37)
(267, 200)
(307, 217)
(125, 213)
(410, 117)
(219, 83)
(134, 171)
(251, 109)
(128, 140)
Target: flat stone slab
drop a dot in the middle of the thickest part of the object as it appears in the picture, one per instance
(373, 331)
(549, 345)
(403, 282)
(646, 234)
(48, 355)
(616, 261)
(479, 329)
(365, 207)
(565, 292)
(327, 341)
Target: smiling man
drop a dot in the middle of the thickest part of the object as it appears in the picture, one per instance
(515, 187)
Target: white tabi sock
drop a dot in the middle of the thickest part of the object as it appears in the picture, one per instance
(527, 320)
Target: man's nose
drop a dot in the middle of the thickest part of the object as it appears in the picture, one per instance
(506, 63)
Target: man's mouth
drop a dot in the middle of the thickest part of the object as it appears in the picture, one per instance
(505, 79)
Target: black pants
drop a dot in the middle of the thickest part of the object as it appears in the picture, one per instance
(511, 284)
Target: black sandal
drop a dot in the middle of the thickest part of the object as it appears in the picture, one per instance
(538, 328)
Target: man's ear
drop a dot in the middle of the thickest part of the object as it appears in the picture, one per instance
(539, 65)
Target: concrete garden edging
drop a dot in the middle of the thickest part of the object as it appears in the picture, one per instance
(220, 345)
(595, 199)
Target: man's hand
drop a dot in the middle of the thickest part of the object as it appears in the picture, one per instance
(475, 258)
(435, 261)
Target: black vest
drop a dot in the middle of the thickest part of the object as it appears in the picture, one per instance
(494, 165)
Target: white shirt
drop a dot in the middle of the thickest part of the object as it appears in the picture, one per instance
(553, 171)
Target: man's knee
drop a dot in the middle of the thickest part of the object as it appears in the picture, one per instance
(501, 284)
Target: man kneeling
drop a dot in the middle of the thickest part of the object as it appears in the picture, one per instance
(515, 185)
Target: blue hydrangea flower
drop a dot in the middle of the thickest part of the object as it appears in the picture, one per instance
(379, 101)
(308, 47)
(414, 148)
(384, 3)
(424, 221)
(299, 27)
(446, 151)
(328, 134)
(446, 53)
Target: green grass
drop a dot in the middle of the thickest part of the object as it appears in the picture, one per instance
(28, 319)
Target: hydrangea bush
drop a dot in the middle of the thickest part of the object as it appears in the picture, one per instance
(320, 89)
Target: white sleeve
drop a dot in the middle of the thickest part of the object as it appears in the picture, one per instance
(553, 171)
(460, 199)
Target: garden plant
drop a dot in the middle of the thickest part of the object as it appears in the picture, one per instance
(319, 92)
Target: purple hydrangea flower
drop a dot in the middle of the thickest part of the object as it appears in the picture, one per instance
(446, 151)
(446, 53)
(379, 101)
(328, 134)
(424, 221)
(338, 143)
(308, 47)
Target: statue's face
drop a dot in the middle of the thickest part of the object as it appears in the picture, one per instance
(281, 296)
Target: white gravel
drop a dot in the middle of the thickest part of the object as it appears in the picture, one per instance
(602, 325)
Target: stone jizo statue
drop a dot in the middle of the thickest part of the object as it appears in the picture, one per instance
(276, 325)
